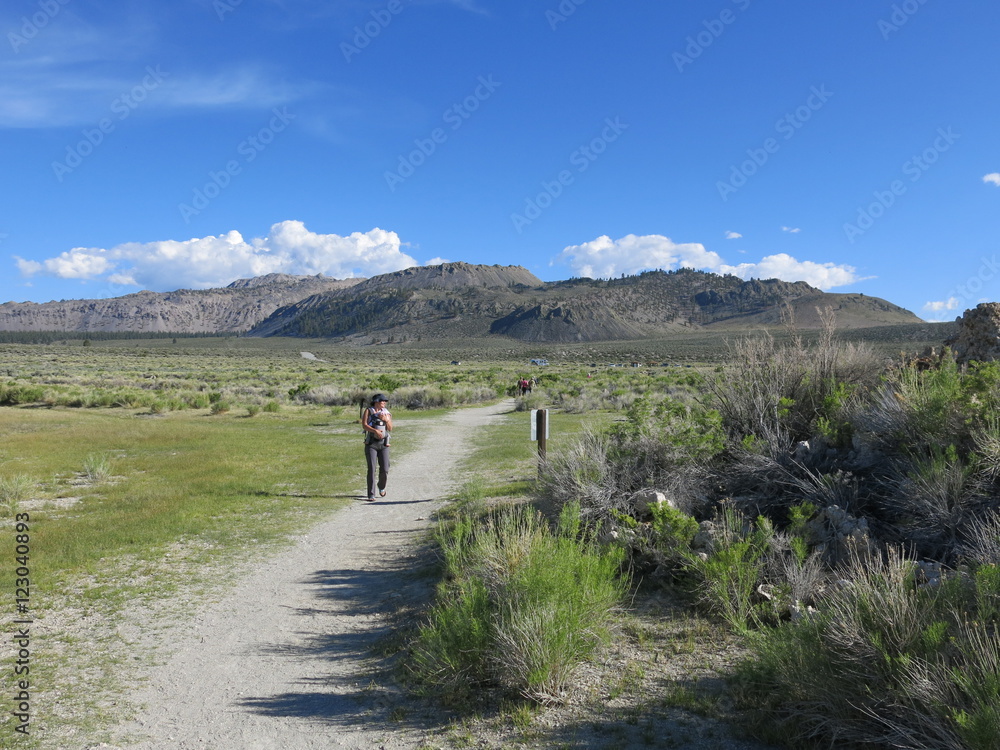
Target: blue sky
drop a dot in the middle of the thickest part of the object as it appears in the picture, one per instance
(184, 144)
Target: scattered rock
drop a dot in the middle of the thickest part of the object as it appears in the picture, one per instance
(645, 500)
(978, 336)
(704, 541)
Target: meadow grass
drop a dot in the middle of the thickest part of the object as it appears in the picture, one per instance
(178, 476)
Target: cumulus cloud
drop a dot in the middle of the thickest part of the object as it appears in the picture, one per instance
(208, 262)
(783, 266)
(606, 258)
(992, 177)
(733, 235)
(78, 263)
(951, 303)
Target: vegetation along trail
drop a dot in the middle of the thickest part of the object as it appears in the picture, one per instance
(279, 661)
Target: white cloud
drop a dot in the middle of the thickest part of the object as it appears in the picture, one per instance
(78, 263)
(993, 177)
(951, 303)
(733, 235)
(783, 266)
(606, 258)
(208, 262)
(437, 261)
(791, 230)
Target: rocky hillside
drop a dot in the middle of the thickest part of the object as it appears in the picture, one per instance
(232, 309)
(460, 300)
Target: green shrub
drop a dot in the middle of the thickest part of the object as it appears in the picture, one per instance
(673, 530)
(198, 400)
(529, 402)
(454, 645)
(15, 395)
(386, 383)
(524, 608)
(220, 407)
(728, 576)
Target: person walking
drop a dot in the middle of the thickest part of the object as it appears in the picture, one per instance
(377, 423)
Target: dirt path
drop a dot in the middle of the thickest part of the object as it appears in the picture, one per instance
(278, 662)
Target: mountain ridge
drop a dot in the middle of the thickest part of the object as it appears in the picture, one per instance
(508, 303)
(231, 309)
(462, 300)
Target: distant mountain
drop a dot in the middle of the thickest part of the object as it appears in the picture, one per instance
(462, 300)
(455, 300)
(232, 309)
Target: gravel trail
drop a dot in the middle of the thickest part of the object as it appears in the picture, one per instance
(278, 662)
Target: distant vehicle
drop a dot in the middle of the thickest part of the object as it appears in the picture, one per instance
(540, 362)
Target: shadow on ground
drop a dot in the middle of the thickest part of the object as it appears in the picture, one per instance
(363, 689)
(361, 685)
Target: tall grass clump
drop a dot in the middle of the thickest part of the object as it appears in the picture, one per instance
(775, 392)
(97, 468)
(521, 608)
(13, 491)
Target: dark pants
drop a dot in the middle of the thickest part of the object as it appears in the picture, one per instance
(380, 456)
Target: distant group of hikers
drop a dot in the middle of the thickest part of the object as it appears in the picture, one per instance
(524, 386)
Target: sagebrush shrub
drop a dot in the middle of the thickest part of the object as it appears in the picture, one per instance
(887, 659)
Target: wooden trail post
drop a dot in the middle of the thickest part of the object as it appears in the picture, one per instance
(540, 432)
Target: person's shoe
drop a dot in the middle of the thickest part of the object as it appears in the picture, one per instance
(381, 493)
(371, 498)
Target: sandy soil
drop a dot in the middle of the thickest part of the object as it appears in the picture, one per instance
(279, 661)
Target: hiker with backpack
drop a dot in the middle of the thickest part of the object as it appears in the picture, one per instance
(376, 420)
